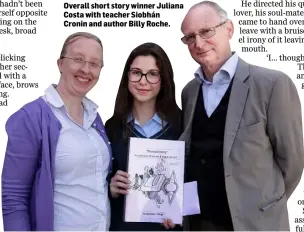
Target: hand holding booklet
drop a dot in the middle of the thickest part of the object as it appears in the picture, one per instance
(156, 169)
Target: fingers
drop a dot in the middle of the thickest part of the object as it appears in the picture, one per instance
(171, 224)
(116, 191)
(121, 178)
(165, 224)
(168, 224)
(122, 173)
(120, 183)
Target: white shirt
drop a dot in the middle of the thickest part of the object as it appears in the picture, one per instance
(81, 168)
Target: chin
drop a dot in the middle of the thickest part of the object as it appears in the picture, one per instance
(143, 99)
(207, 61)
(82, 91)
(201, 62)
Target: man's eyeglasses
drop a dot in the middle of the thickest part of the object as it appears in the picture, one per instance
(203, 33)
(80, 61)
(152, 77)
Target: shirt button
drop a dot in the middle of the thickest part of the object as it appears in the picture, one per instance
(109, 142)
(203, 161)
(94, 124)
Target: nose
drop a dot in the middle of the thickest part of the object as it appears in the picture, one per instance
(85, 67)
(199, 42)
(143, 80)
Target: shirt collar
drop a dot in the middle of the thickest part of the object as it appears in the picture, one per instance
(155, 118)
(227, 70)
(53, 98)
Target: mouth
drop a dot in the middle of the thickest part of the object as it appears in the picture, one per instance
(143, 91)
(83, 80)
(202, 53)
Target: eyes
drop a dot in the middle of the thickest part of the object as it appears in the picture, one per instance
(203, 33)
(139, 73)
(80, 60)
(135, 75)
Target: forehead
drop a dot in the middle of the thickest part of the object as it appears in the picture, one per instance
(144, 62)
(87, 47)
(200, 17)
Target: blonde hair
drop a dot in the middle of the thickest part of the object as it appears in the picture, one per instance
(70, 39)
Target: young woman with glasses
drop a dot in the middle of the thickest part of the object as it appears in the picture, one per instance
(146, 108)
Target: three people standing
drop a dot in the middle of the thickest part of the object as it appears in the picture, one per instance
(242, 125)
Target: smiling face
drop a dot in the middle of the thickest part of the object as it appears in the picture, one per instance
(209, 52)
(79, 77)
(143, 91)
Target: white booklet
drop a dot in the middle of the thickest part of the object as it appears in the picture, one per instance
(156, 169)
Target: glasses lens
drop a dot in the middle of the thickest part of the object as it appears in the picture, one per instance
(95, 64)
(188, 39)
(78, 60)
(153, 77)
(205, 34)
(134, 75)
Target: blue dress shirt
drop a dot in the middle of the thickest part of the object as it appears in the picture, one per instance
(214, 91)
(150, 128)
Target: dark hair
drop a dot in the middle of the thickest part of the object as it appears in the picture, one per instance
(166, 106)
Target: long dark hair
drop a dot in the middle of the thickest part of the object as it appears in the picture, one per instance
(166, 106)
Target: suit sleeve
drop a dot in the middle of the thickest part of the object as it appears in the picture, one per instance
(19, 169)
(187, 168)
(285, 131)
(183, 96)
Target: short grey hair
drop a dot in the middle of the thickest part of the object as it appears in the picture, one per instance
(219, 10)
(70, 39)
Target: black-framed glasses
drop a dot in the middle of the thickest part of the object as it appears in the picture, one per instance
(152, 76)
(203, 33)
(80, 61)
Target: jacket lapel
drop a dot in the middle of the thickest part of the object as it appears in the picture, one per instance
(189, 112)
(237, 101)
(191, 104)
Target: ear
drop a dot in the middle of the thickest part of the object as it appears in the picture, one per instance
(230, 28)
(59, 64)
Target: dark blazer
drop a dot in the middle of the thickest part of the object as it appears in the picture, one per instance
(120, 156)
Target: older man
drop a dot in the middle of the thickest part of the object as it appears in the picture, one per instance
(58, 156)
(243, 131)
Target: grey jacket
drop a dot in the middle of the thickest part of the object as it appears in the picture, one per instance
(263, 145)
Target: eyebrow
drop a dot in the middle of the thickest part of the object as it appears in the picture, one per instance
(205, 29)
(80, 54)
(135, 68)
(202, 29)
